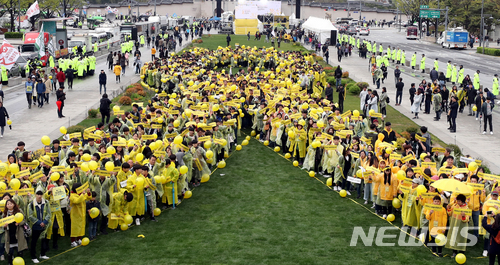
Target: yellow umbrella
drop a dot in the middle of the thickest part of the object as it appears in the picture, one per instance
(452, 185)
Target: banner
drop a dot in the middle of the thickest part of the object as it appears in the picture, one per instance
(8, 55)
(33, 10)
(40, 44)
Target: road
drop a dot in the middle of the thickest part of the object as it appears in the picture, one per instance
(487, 65)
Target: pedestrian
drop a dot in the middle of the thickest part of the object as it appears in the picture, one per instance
(104, 108)
(493, 244)
(138, 64)
(377, 75)
(3, 122)
(339, 53)
(102, 81)
(228, 39)
(77, 214)
(248, 36)
(123, 64)
(29, 86)
(399, 91)
(118, 71)
(70, 75)
(153, 52)
(338, 76)
(397, 74)
(110, 60)
(40, 90)
(487, 111)
(327, 55)
(329, 92)
(61, 97)
(341, 91)
(48, 85)
(415, 107)
(93, 203)
(428, 99)
(61, 77)
(479, 100)
(14, 232)
(452, 114)
(437, 100)
(39, 216)
(384, 99)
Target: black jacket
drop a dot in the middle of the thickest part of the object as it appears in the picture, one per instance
(102, 78)
(329, 93)
(3, 115)
(453, 109)
(434, 75)
(479, 102)
(70, 73)
(493, 246)
(60, 95)
(397, 73)
(104, 107)
(338, 73)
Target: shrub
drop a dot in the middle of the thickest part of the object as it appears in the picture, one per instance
(193, 41)
(345, 74)
(318, 58)
(331, 80)
(75, 128)
(412, 130)
(93, 113)
(406, 135)
(13, 35)
(489, 51)
(362, 85)
(130, 91)
(400, 141)
(141, 93)
(354, 89)
(124, 100)
(200, 41)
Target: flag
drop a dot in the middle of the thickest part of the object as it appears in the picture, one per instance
(40, 43)
(8, 55)
(33, 10)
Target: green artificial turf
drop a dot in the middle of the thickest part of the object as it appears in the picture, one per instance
(212, 42)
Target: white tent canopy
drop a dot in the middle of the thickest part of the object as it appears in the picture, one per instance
(320, 26)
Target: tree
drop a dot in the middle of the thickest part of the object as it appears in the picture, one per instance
(12, 7)
(49, 8)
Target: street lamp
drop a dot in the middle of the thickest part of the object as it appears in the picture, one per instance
(482, 24)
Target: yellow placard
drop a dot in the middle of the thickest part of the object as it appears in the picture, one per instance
(171, 135)
(75, 135)
(82, 188)
(23, 192)
(428, 164)
(407, 158)
(102, 173)
(59, 193)
(433, 207)
(148, 137)
(395, 156)
(116, 217)
(420, 138)
(160, 153)
(6, 220)
(23, 173)
(58, 169)
(376, 115)
(404, 189)
(438, 149)
(428, 195)
(476, 186)
(36, 176)
(65, 143)
(119, 143)
(29, 164)
(468, 212)
(120, 112)
(204, 139)
(52, 155)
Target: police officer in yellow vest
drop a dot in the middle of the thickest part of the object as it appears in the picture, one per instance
(5, 76)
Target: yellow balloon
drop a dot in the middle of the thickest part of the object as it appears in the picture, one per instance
(247, 138)
(266, 142)
(396, 203)
(312, 174)
(472, 166)
(421, 189)
(14, 168)
(55, 176)
(86, 157)
(276, 149)
(123, 227)
(291, 134)
(85, 241)
(84, 167)
(343, 193)
(93, 165)
(320, 124)
(207, 144)
(63, 130)
(460, 258)
(4, 168)
(139, 157)
(177, 123)
(359, 173)
(9, 122)
(19, 217)
(157, 211)
(111, 150)
(94, 212)
(355, 113)
(18, 261)
(401, 175)
(15, 184)
(295, 163)
(209, 154)
(440, 240)
(371, 112)
(221, 164)
(183, 169)
(3, 186)
(116, 108)
(205, 178)
(188, 194)
(391, 217)
(474, 108)
(288, 155)
(110, 166)
(329, 182)
(46, 140)
(128, 219)
(178, 139)
(244, 142)
(2, 203)
(238, 147)
(253, 133)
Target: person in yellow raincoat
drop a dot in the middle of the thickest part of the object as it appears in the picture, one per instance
(172, 175)
(437, 224)
(78, 214)
(388, 186)
(119, 207)
(410, 211)
(298, 145)
(138, 207)
(459, 224)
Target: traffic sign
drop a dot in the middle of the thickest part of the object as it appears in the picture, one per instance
(424, 7)
(424, 13)
(434, 14)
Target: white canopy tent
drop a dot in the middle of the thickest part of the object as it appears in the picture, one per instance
(320, 26)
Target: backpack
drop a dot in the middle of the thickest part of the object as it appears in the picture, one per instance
(387, 100)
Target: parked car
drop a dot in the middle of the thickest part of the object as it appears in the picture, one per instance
(18, 69)
(364, 31)
(352, 31)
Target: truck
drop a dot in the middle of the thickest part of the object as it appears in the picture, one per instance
(455, 38)
(28, 48)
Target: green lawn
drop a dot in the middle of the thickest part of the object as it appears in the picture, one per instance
(212, 42)
(262, 211)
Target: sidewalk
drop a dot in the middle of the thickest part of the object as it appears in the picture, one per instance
(468, 135)
(29, 125)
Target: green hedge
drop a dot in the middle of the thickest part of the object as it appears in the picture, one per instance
(13, 35)
(489, 51)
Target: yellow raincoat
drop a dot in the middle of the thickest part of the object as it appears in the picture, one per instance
(78, 210)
